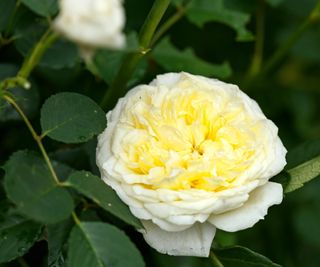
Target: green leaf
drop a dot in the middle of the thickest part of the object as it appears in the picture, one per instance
(71, 118)
(61, 54)
(303, 173)
(17, 235)
(57, 237)
(94, 188)
(274, 3)
(200, 12)
(303, 166)
(7, 8)
(28, 100)
(42, 7)
(171, 59)
(240, 257)
(30, 186)
(98, 244)
(108, 63)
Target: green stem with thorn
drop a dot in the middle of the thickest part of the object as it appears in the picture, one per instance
(118, 86)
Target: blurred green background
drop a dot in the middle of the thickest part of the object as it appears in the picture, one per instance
(223, 46)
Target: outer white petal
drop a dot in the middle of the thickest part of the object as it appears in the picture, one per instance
(252, 211)
(168, 79)
(194, 241)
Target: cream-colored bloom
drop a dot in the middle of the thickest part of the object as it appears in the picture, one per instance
(190, 155)
(92, 23)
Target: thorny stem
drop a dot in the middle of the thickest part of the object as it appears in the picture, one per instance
(35, 136)
(118, 86)
(21, 79)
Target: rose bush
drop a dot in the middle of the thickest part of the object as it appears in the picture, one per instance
(95, 23)
(190, 155)
(187, 154)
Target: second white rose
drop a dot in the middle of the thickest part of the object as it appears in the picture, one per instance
(92, 23)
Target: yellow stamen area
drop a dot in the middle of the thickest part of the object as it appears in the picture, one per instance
(188, 137)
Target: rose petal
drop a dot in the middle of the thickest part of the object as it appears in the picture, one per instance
(194, 241)
(252, 211)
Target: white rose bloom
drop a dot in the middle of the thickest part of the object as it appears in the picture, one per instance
(190, 155)
(92, 23)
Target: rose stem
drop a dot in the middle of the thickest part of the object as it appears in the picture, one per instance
(181, 10)
(35, 136)
(21, 79)
(118, 86)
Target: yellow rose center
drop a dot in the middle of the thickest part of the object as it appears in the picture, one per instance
(188, 137)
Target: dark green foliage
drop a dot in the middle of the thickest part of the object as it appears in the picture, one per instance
(17, 235)
(200, 12)
(171, 59)
(67, 222)
(30, 186)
